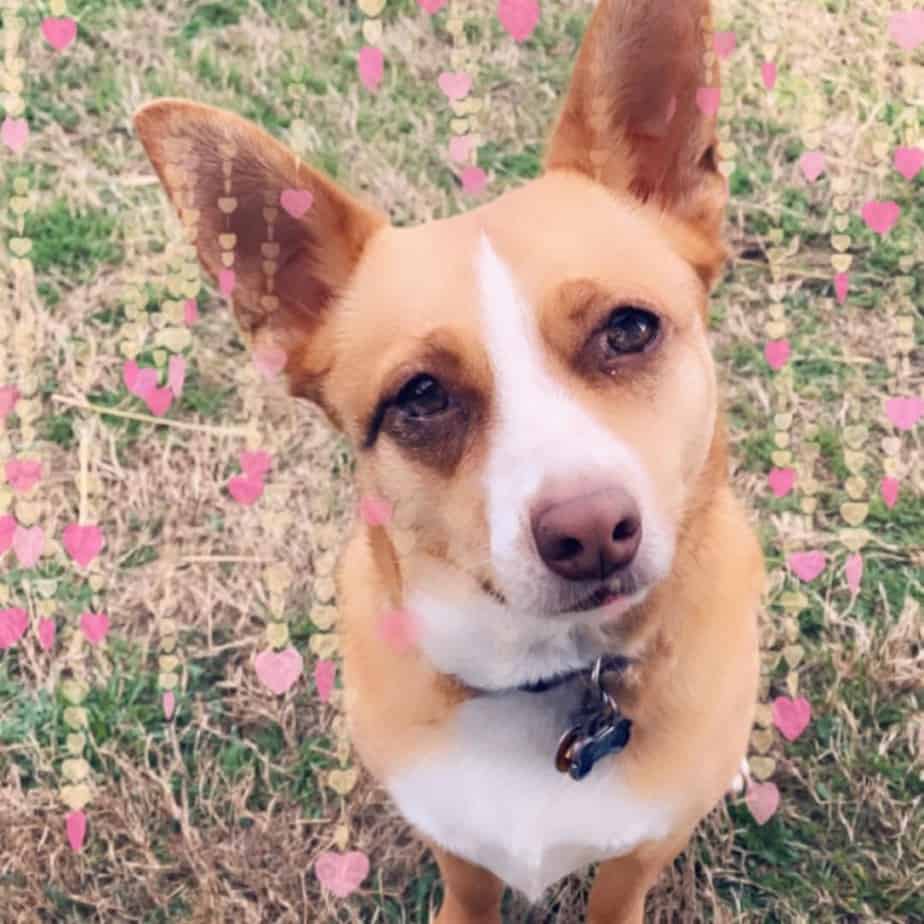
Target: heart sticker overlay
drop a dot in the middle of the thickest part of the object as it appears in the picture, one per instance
(140, 381)
(398, 629)
(13, 624)
(781, 481)
(724, 44)
(707, 99)
(763, 799)
(371, 64)
(432, 6)
(76, 824)
(8, 526)
(904, 413)
(46, 634)
(28, 544)
(296, 201)
(375, 511)
(14, 133)
(841, 287)
(176, 375)
(255, 464)
(519, 17)
(269, 360)
(807, 565)
(324, 674)
(456, 85)
(341, 873)
(82, 542)
(768, 74)
(888, 487)
(881, 216)
(908, 161)
(168, 702)
(9, 395)
(226, 281)
(95, 626)
(278, 670)
(23, 474)
(853, 572)
(776, 352)
(461, 147)
(190, 312)
(474, 180)
(812, 165)
(158, 401)
(246, 489)
(791, 717)
(907, 28)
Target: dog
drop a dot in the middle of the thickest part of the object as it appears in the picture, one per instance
(530, 386)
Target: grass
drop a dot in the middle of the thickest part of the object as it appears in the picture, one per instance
(218, 814)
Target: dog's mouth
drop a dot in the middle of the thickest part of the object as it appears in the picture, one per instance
(619, 588)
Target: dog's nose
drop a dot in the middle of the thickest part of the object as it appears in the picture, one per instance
(589, 536)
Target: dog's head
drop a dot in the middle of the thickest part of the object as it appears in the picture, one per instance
(529, 384)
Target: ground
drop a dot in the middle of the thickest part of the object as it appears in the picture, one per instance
(218, 814)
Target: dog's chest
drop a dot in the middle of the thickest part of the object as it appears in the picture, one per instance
(495, 798)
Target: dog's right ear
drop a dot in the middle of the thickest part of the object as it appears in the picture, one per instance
(226, 177)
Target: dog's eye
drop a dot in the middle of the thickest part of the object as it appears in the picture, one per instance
(423, 396)
(630, 330)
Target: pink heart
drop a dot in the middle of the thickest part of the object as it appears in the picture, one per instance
(27, 545)
(190, 311)
(226, 281)
(398, 629)
(82, 543)
(460, 147)
(7, 531)
(776, 352)
(841, 286)
(255, 464)
(781, 481)
(9, 395)
(812, 164)
(59, 32)
(176, 374)
(474, 180)
(46, 633)
(908, 161)
(904, 412)
(432, 6)
(763, 799)
(246, 489)
(95, 626)
(270, 360)
(13, 624)
(138, 381)
(455, 85)
(168, 702)
(907, 28)
(278, 670)
(341, 873)
(888, 487)
(807, 565)
(768, 74)
(724, 44)
(14, 133)
(853, 571)
(881, 216)
(707, 98)
(159, 400)
(374, 511)
(371, 67)
(23, 474)
(791, 717)
(324, 674)
(296, 201)
(76, 829)
(518, 17)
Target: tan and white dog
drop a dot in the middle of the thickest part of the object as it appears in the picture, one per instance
(531, 384)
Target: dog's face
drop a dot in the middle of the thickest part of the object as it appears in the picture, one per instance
(529, 385)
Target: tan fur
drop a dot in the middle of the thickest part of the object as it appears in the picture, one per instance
(363, 306)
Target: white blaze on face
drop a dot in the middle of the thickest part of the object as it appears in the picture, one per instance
(542, 432)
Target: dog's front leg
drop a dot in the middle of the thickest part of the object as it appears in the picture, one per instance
(471, 894)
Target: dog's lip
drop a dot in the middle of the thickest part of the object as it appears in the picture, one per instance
(602, 596)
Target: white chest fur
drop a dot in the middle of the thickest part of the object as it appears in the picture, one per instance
(495, 798)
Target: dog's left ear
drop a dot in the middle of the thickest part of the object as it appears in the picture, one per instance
(639, 115)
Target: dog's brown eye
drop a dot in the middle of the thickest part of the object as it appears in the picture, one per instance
(630, 330)
(423, 396)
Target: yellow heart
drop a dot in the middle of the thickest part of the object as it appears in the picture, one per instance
(841, 222)
(191, 289)
(853, 513)
(727, 168)
(168, 681)
(841, 262)
(19, 204)
(808, 505)
(277, 606)
(75, 716)
(6, 498)
(277, 634)
(227, 241)
(371, 7)
(904, 264)
(343, 745)
(168, 662)
(324, 645)
(762, 767)
(855, 435)
(854, 539)
(459, 126)
(781, 440)
(21, 185)
(793, 655)
(793, 601)
(841, 184)
(45, 608)
(14, 104)
(762, 739)
(775, 235)
(855, 461)
(277, 577)
(341, 837)
(74, 691)
(791, 629)
(841, 203)
(75, 769)
(904, 324)
(781, 459)
(792, 684)
(772, 660)
(270, 250)
(75, 797)
(190, 217)
(175, 339)
(46, 587)
(342, 781)
(160, 358)
(227, 204)
(227, 259)
(168, 643)
(776, 329)
(783, 421)
(325, 563)
(763, 715)
(270, 215)
(891, 445)
(810, 452)
(28, 512)
(20, 245)
(475, 104)
(339, 727)
(324, 617)
(76, 743)
(324, 589)
(763, 686)
(840, 242)
(891, 467)
(777, 311)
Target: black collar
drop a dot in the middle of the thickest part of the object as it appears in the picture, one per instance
(609, 664)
